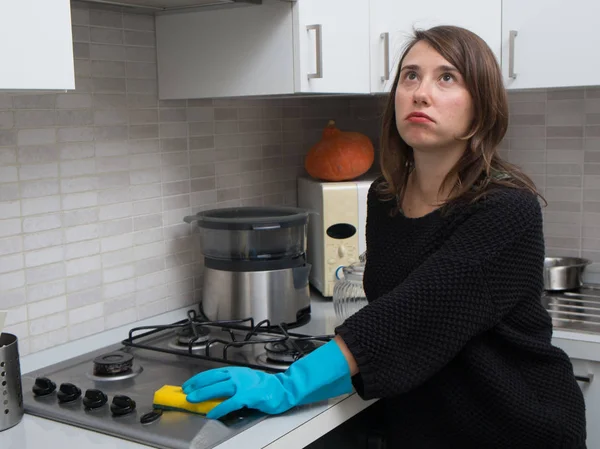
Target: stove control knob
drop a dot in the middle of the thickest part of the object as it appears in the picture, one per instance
(43, 386)
(152, 416)
(122, 405)
(68, 393)
(94, 399)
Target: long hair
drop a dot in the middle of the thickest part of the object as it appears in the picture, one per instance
(480, 168)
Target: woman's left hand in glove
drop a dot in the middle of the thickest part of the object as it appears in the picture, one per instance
(320, 375)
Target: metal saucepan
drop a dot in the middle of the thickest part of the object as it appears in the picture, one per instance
(564, 273)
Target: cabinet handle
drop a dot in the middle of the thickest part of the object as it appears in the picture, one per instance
(587, 379)
(511, 54)
(386, 56)
(318, 50)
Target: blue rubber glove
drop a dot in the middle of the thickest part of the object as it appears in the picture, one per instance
(320, 375)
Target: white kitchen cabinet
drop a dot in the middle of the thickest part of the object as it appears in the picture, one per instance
(552, 43)
(393, 21)
(589, 373)
(344, 45)
(277, 48)
(36, 45)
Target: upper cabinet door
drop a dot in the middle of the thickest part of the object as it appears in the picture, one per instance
(393, 21)
(244, 51)
(550, 43)
(36, 45)
(331, 46)
(276, 48)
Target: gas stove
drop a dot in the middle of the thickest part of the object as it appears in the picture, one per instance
(576, 310)
(111, 390)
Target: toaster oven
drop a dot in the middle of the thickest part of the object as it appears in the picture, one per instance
(336, 227)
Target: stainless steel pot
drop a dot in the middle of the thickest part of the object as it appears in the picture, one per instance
(280, 296)
(564, 273)
(254, 263)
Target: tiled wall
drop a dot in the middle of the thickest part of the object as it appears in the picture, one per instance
(555, 136)
(94, 183)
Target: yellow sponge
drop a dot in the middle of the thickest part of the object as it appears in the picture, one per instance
(170, 397)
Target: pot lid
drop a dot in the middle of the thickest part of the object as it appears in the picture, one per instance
(250, 218)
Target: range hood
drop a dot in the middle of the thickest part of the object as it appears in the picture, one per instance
(171, 5)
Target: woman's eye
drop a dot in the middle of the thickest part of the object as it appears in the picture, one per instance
(411, 76)
(447, 77)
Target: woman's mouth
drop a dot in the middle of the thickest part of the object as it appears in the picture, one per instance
(419, 117)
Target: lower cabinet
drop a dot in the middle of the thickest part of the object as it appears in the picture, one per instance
(588, 378)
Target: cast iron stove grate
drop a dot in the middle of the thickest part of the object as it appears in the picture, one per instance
(243, 332)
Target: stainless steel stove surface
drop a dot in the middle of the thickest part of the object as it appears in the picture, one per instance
(111, 390)
(577, 310)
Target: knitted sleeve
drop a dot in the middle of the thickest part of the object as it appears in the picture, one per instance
(405, 336)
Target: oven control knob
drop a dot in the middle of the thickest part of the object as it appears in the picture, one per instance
(68, 393)
(122, 405)
(342, 251)
(43, 386)
(94, 399)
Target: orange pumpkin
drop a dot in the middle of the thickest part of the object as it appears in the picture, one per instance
(339, 155)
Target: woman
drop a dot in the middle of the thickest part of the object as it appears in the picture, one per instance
(454, 339)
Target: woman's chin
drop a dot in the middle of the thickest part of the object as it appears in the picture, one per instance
(424, 140)
(422, 143)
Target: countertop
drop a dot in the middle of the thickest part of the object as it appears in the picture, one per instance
(294, 429)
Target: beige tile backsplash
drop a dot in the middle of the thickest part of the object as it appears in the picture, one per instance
(94, 183)
(553, 136)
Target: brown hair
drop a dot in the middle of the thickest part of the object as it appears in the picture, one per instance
(480, 168)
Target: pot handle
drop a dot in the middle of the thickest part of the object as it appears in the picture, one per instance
(190, 218)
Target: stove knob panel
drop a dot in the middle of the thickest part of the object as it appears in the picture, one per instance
(122, 405)
(43, 386)
(68, 392)
(94, 399)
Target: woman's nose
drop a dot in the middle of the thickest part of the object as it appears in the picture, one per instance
(422, 94)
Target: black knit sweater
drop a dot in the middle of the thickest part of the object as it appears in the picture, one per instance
(454, 338)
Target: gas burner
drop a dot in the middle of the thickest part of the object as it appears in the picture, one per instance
(200, 335)
(116, 365)
(264, 361)
(113, 363)
(286, 352)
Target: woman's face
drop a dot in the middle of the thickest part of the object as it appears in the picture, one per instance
(433, 105)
